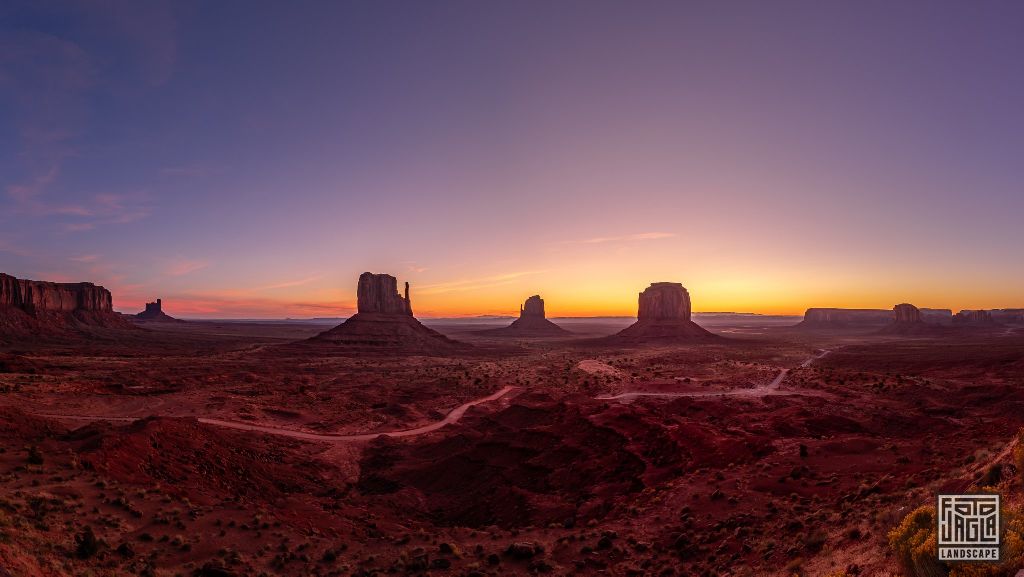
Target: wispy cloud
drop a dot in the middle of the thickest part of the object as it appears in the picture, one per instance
(474, 284)
(229, 304)
(413, 267)
(187, 171)
(182, 266)
(11, 248)
(29, 198)
(291, 283)
(628, 237)
(85, 258)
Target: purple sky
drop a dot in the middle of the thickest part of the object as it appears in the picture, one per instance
(251, 159)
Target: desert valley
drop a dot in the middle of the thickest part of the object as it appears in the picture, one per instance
(147, 445)
(444, 288)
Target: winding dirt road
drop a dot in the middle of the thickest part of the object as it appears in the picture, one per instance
(451, 417)
(771, 388)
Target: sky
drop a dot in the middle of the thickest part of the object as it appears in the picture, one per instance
(251, 159)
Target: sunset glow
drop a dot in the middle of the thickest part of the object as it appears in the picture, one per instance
(858, 156)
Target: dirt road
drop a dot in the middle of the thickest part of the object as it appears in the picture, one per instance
(771, 388)
(451, 417)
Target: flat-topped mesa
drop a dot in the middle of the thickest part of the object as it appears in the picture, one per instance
(384, 323)
(937, 316)
(1013, 316)
(29, 306)
(664, 300)
(974, 318)
(154, 308)
(663, 314)
(906, 313)
(32, 296)
(836, 317)
(378, 293)
(908, 320)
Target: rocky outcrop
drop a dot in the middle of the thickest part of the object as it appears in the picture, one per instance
(844, 318)
(384, 323)
(663, 314)
(531, 323)
(154, 313)
(664, 301)
(28, 306)
(906, 313)
(975, 318)
(937, 316)
(378, 293)
(1009, 316)
(909, 320)
(532, 308)
(36, 297)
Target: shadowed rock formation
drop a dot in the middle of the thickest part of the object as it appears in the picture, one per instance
(836, 318)
(664, 314)
(1013, 316)
(844, 318)
(906, 313)
(909, 320)
(977, 318)
(384, 322)
(531, 323)
(154, 313)
(378, 293)
(937, 316)
(37, 306)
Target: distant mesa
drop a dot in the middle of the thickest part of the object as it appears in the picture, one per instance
(1007, 316)
(664, 314)
(384, 322)
(974, 318)
(841, 318)
(154, 313)
(40, 307)
(532, 322)
(906, 314)
(838, 318)
(910, 320)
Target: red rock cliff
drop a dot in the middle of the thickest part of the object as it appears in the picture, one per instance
(35, 297)
(533, 307)
(664, 300)
(906, 313)
(378, 293)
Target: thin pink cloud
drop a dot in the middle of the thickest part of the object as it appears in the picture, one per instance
(183, 266)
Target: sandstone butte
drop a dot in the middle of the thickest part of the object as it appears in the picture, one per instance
(532, 322)
(155, 313)
(663, 313)
(384, 322)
